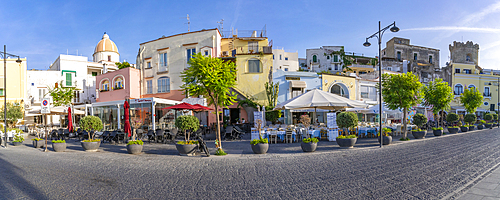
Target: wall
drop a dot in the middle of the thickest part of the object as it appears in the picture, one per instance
(16, 81)
(131, 88)
(292, 64)
(323, 63)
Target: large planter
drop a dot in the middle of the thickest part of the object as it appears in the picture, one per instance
(346, 143)
(59, 147)
(260, 148)
(418, 134)
(438, 132)
(386, 140)
(480, 127)
(464, 129)
(471, 128)
(134, 148)
(91, 146)
(17, 143)
(39, 143)
(186, 149)
(453, 130)
(309, 147)
(487, 125)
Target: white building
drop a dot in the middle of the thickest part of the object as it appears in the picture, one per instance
(303, 64)
(321, 59)
(162, 60)
(286, 61)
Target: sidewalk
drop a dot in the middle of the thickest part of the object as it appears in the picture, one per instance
(487, 188)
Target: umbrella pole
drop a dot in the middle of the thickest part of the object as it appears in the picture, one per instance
(316, 116)
(45, 127)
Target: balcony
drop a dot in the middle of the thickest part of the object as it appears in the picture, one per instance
(252, 50)
(458, 92)
(486, 94)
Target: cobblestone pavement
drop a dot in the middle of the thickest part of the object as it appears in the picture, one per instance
(432, 168)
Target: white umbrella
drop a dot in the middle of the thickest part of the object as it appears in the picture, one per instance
(58, 110)
(376, 108)
(360, 110)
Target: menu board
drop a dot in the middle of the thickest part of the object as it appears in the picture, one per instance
(258, 115)
(331, 120)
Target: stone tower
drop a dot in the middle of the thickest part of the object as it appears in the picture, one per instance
(467, 53)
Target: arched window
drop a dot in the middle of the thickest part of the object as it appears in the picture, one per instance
(254, 66)
(459, 89)
(315, 58)
(328, 57)
(471, 86)
(467, 58)
(163, 84)
(340, 90)
(105, 85)
(118, 83)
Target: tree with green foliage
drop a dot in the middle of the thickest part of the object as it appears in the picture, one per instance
(213, 78)
(14, 113)
(91, 124)
(62, 96)
(344, 59)
(488, 117)
(438, 94)
(419, 120)
(347, 120)
(272, 91)
(188, 124)
(471, 99)
(401, 91)
(452, 117)
(470, 118)
(122, 65)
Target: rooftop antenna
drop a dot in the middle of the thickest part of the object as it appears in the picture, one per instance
(189, 22)
(221, 26)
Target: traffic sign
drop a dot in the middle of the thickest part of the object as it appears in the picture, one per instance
(45, 106)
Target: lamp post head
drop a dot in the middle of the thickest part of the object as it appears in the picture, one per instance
(18, 60)
(394, 29)
(366, 44)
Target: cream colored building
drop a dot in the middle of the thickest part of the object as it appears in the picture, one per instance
(16, 81)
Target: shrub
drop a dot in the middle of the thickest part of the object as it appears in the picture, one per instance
(469, 118)
(438, 128)
(347, 120)
(404, 139)
(91, 140)
(58, 141)
(313, 140)
(257, 141)
(488, 117)
(419, 120)
(453, 127)
(495, 116)
(37, 139)
(139, 142)
(90, 124)
(459, 123)
(347, 137)
(452, 117)
(18, 138)
(188, 142)
(187, 123)
(220, 152)
(482, 121)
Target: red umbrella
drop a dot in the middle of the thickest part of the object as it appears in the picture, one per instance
(70, 121)
(200, 107)
(182, 106)
(126, 107)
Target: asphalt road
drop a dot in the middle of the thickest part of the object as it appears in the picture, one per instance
(432, 168)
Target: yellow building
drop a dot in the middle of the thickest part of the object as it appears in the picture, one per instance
(254, 59)
(16, 81)
(339, 84)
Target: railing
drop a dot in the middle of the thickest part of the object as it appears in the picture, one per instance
(487, 94)
(244, 33)
(252, 50)
(458, 92)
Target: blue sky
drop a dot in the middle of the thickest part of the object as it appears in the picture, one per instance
(41, 30)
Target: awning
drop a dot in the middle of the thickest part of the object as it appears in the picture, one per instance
(298, 84)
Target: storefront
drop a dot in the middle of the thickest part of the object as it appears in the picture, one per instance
(145, 113)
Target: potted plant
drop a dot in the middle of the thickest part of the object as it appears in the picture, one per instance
(452, 117)
(469, 119)
(488, 117)
(38, 142)
(495, 119)
(463, 128)
(135, 146)
(18, 140)
(187, 123)
(309, 144)
(91, 124)
(481, 125)
(386, 138)
(437, 131)
(59, 145)
(261, 145)
(419, 120)
(347, 120)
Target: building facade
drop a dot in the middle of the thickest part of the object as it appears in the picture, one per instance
(321, 59)
(286, 61)
(119, 85)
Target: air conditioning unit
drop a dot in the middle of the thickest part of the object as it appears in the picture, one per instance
(225, 53)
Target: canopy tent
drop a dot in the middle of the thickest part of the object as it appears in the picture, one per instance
(58, 110)
(360, 110)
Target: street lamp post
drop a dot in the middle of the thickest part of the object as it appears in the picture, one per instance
(5, 88)
(379, 35)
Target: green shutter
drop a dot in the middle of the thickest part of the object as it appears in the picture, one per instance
(68, 79)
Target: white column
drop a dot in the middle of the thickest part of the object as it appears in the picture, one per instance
(119, 116)
(153, 104)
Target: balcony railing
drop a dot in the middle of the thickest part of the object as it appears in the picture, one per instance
(458, 92)
(253, 50)
(487, 94)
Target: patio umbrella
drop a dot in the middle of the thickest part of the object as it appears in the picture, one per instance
(199, 107)
(126, 107)
(181, 106)
(70, 121)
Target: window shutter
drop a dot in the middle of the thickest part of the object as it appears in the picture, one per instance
(68, 79)
(161, 60)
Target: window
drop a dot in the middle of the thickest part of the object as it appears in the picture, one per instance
(389, 68)
(280, 56)
(286, 69)
(457, 70)
(415, 55)
(315, 58)
(118, 83)
(109, 58)
(190, 53)
(206, 52)
(296, 92)
(286, 58)
(163, 62)
(399, 55)
(41, 94)
(94, 73)
(253, 66)
(471, 87)
(487, 92)
(430, 59)
(328, 57)
(467, 71)
(467, 58)
(76, 96)
(149, 65)
(364, 92)
(1, 92)
(149, 86)
(486, 103)
(163, 84)
(335, 58)
(459, 89)
(336, 66)
(105, 85)
(253, 47)
(68, 79)
(339, 90)
(273, 56)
